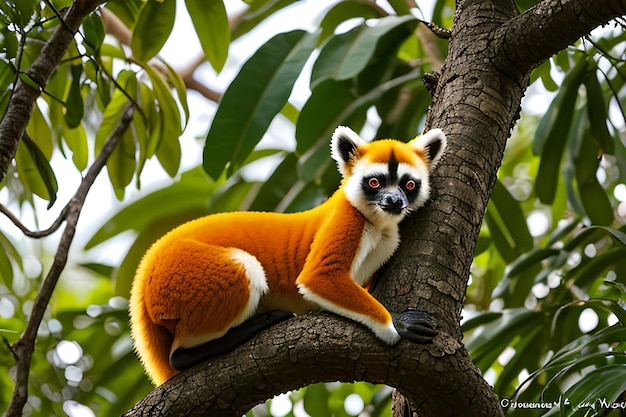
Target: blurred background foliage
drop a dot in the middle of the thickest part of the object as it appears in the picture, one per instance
(544, 317)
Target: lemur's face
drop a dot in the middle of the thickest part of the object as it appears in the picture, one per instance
(387, 177)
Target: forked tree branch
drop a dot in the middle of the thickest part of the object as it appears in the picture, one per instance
(23, 349)
(23, 98)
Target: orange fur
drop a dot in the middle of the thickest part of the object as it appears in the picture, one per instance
(213, 273)
(186, 287)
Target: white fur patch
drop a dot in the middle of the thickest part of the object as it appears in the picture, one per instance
(377, 245)
(256, 281)
(386, 332)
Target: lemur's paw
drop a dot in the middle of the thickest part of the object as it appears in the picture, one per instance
(415, 325)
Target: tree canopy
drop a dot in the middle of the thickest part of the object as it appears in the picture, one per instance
(520, 255)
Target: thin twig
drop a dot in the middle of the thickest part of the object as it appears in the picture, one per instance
(437, 30)
(35, 234)
(23, 349)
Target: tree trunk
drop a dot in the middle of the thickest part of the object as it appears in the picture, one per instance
(477, 101)
(491, 54)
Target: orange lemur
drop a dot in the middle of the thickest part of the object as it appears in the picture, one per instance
(214, 282)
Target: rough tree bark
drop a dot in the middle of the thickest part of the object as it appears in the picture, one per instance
(477, 100)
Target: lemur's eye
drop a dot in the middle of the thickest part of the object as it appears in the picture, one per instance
(373, 183)
(410, 185)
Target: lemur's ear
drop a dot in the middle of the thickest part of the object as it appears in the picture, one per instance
(432, 143)
(343, 148)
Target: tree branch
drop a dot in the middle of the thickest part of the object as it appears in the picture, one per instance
(317, 347)
(23, 349)
(549, 27)
(40, 233)
(23, 98)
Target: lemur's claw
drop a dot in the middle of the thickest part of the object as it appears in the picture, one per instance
(415, 325)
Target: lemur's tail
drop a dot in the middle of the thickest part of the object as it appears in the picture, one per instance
(152, 342)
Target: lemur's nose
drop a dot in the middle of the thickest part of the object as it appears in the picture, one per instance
(393, 201)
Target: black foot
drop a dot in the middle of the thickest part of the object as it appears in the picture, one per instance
(183, 358)
(415, 325)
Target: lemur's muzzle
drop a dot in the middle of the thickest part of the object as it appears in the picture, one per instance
(393, 200)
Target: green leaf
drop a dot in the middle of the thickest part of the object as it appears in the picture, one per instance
(9, 43)
(23, 11)
(400, 6)
(121, 164)
(39, 131)
(112, 51)
(153, 120)
(562, 231)
(530, 259)
(543, 72)
(526, 357)
(168, 149)
(74, 108)
(76, 140)
(597, 109)
(181, 91)
(100, 269)
(153, 27)
(256, 13)
(322, 113)
(333, 57)
(233, 197)
(346, 55)
(495, 336)
(93, 26)
(515, 223)
(36, 171)
(316, 399)
(497, 231)
(343, 11)
(551, 134)
(594, 198)
(26, 79)
(590, 271)
(6, 267)
(7, 76)
(213, 30)
(272, 192)
(255, 96)
(126, 10)
(334, 103)
(606, 384)
(480, 320)
(613, 233)
(192, 190)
